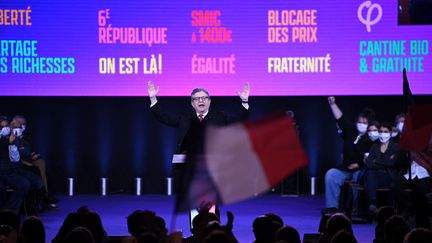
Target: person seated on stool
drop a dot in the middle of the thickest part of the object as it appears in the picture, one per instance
(417, 178)
(12, 171)
(381, 165)
(355, 144)
(31, 159)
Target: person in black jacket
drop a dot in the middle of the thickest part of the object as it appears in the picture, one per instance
(356, 144)
(191, 124)
(381, 165)
(12, 172)
(32, 162)
(28, 156)
(200, 101)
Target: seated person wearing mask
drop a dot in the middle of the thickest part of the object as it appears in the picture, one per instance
(355, 144)
(31, 159)
(12, 171)
(381, 165)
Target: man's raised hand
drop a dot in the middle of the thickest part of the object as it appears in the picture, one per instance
(244, 95)
(152, 90)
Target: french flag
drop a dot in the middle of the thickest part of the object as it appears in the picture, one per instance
(238, 161)
(416, 136)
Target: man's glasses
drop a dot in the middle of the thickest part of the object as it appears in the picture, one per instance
(203, 98)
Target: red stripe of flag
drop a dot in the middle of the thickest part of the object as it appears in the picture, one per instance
(276, 142)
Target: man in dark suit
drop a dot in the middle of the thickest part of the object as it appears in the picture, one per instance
(200, 101)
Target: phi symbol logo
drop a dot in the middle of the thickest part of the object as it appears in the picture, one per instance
(370, 8)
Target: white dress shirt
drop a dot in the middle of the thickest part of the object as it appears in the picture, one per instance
(417, 171)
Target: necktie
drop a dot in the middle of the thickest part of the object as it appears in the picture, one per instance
(201, 117)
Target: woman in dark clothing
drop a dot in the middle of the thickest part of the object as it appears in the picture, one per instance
(381, 165)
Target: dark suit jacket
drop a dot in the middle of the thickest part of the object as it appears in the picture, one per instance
(24, 149)
(387, 160)
(185, 121)
(352, 153)
(6, 166)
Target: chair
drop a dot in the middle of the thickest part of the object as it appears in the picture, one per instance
(23, 208)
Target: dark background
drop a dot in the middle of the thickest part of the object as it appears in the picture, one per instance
(117, 137)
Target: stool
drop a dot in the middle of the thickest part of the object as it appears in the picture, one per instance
(23, 206)
(345, 197)
(346, 202)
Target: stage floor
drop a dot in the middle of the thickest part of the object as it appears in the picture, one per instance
(303, 212)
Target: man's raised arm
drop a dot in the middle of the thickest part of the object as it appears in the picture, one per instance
(152, 91)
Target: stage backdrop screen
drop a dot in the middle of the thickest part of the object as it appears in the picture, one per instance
(281, 47)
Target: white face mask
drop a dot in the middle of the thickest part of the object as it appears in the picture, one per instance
(23, 127)
(17, 132)
(394, 134)
(400, 126)
(361, 127)
(373, 135)
(5, 131)
(384, 137)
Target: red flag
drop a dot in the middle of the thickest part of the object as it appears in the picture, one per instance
(417, 130)
(416, 135)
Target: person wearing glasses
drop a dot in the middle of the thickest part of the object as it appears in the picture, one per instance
(12, 172)
(201, 116)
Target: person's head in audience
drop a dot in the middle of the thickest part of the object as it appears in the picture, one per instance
(95, 226)
(288, 234)
(72, 221)
(212, 226)
(343, 236)
(9, 217)
(373, 132)
(33, 230)
(200, 223)
(264, 229)
(418, 235)
(162, 230)
(83, 209)
(275, 218)
(218, 236)
(383, 214)
(147, 237)
(142, 218)
(336, 222)
(79, 234)
(395, 229)
(8, 234)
